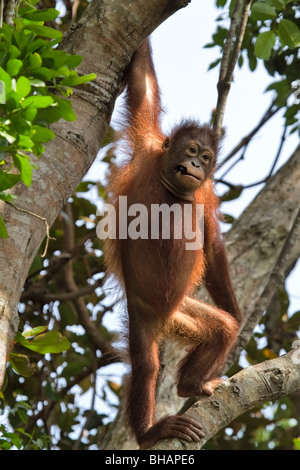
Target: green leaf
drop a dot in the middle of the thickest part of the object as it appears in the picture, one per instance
(8, 180)
(65, 108)
(24, 142)
(262, 11)
(44, 31)
(63, 72)
(29, 114)
(15, 440)
(42, 134)
(13, 67)
(12, 100)
(73, 60)
(232, 193)
(35, 60)
(22, 415)
(34, 331)
(75, 80)
(296, 442)
(264, 44)
(6, 30)
(37, 83)
(5, 77)
(14, 52)
(228, 219)
(55, 59)
(19, 338)
(10, 138)
(38, 43)
(38, 149)
(21, 364)
(283, 91)
(289, 34)
(3, 231)
(23, 87)
(24, 167)
(278, 4)
(252, 62)
(50, 342)
(46, 14)
(7, 197)
(44, 72)
(37, 101)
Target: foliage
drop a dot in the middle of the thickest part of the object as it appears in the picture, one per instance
(33, 72)
(61, 384)
(272, 35)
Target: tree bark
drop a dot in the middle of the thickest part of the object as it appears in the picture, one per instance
(248, 388)
(106, 36)
(254, 245)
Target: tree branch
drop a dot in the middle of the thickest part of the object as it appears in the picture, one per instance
(276, 278)
(68, 281)
(37, 293)
(271, 111)
(228, 62)
(248, 388)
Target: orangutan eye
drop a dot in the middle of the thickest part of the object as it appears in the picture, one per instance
(206, 157)
(193, 149)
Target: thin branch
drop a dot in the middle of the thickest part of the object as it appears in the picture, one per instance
(68, 280)
(276, 278)
(282, 140)
(92, 408)
(228, 64)
(56, 262)
(37, 293)
(45, 412)
(262, 181)
(271, 111)
(228, 44)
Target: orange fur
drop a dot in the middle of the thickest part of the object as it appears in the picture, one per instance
(158, 275)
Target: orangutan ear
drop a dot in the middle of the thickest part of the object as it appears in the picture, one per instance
(166, 144)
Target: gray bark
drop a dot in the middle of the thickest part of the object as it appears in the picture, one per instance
(106, 36)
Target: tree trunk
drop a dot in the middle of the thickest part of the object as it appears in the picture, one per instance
(106, 36)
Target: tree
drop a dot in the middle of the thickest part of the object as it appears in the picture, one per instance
(66, 290)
